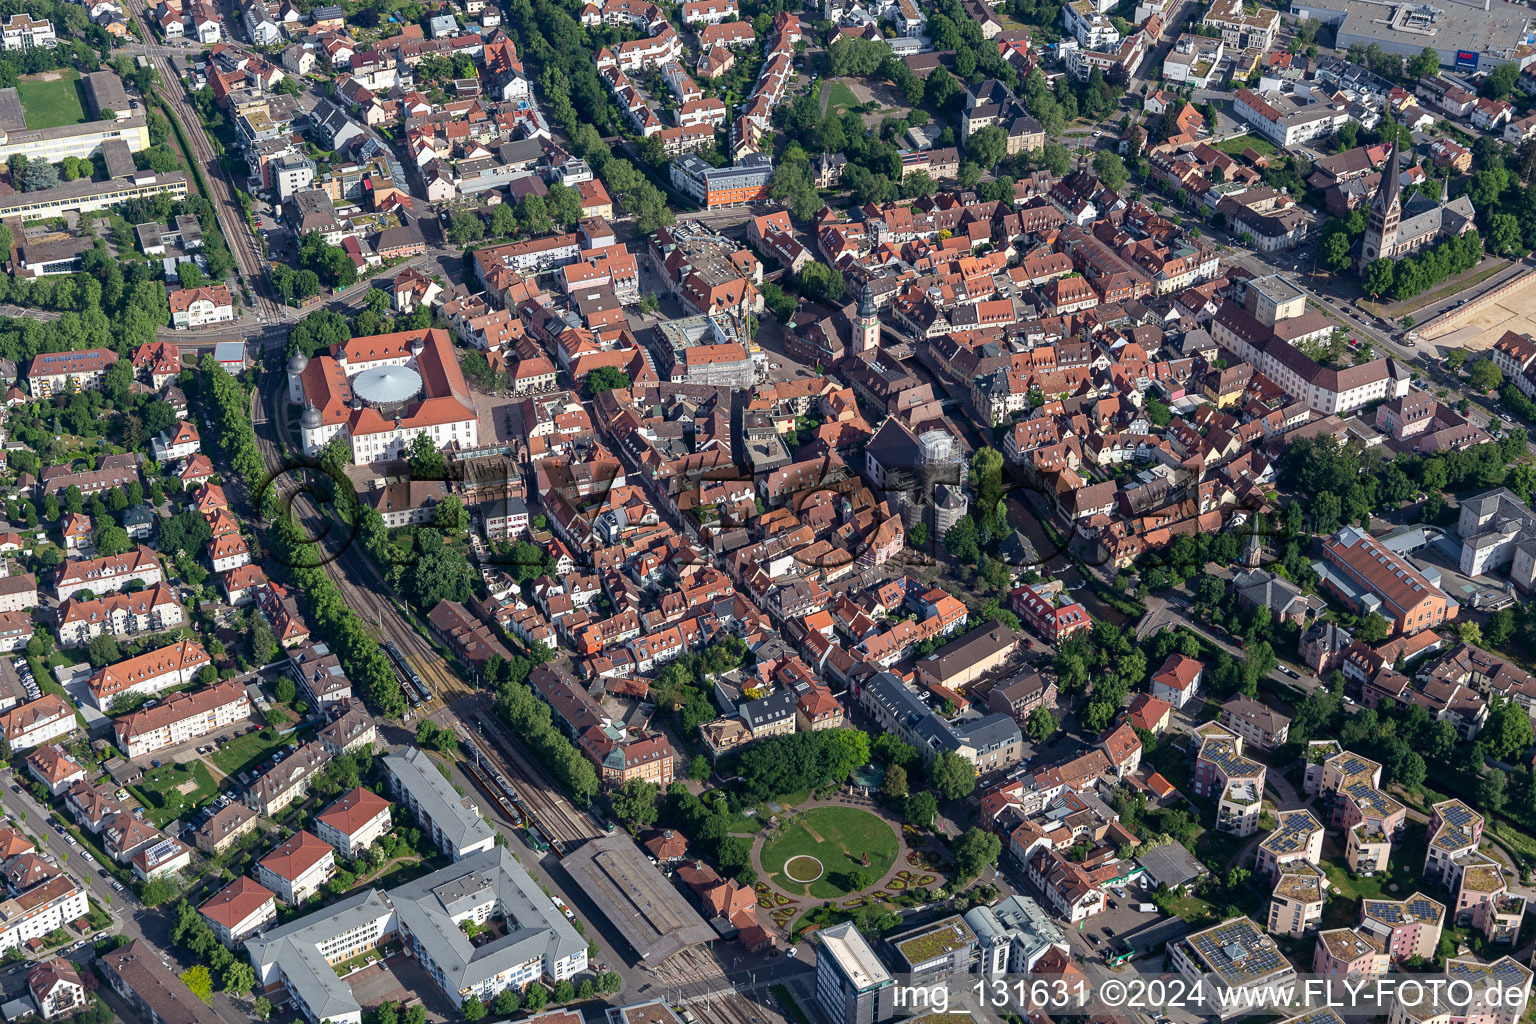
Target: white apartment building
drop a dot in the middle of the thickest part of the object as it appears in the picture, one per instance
(199, 307)
(1091, 29)
(21, 32)
(16, 629)
(108, 574)
(1283, 120)
(241, 909)
(176, 664)
(1193, 59)
(68, 371)
(183, 718)
(44, 908)
(176, 442)
(166, 857)
(355, 822)
(228, 552)
(119, 615)
(36, 722)
(296, 870)
(454, 822)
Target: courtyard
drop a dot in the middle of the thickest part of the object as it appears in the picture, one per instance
(171, 790)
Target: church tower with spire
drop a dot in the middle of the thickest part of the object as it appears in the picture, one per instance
(866, 324)
(1386, 212)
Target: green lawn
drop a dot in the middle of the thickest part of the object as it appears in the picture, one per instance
(236, 755)
(160, 791)
(49, 104)
(838, 837)
(1257, 143)
(840, 98)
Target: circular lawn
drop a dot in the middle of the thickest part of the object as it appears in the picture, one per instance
(822, 852)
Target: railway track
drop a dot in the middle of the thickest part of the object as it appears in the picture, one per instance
(561, 823)
(237, 231)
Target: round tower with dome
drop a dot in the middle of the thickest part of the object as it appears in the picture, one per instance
(296, 367)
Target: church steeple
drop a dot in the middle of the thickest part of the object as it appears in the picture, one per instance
(1380, 240)
(1391, 191)
(868, 323)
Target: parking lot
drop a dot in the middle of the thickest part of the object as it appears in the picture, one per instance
(399, 978)
(24, 678)
(1148, 933)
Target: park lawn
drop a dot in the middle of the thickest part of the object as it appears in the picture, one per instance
(243, 752)
(163, 801)
(1234, 146)
(51, 104)
(840, 97)
(838, 837)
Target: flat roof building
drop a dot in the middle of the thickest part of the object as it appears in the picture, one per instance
(852, 985)
(1490, 32)
(1235, 954)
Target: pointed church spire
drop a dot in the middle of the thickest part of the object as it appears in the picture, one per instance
(1392, 181)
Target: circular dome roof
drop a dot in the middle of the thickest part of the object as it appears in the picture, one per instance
(386, 385)
(311, 418)
(298, 362)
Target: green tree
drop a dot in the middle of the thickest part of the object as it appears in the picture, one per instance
(200, 982)
(698, 768)
(465, 227)
(1507, 732)
(605, 378)
(1426, 64)
(450, 515)
(472, 1008)
(920, 809)
(284, 690)
(239, 977)
(951, 775)
(1335, 253)
(1378, 277)
(1042, 724)
(424, 459)
(502, 221)
(1110, 169)
(634, 803)
(1484, 375)
(1500, 83)
(506, 1003)
(975, 851)
(1373, 629)
(103, 650)
(987, 146)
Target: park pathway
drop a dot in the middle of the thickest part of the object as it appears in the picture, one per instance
(803, 902)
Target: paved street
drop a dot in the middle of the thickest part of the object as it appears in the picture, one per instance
(132, 920)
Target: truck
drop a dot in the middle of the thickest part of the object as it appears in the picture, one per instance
(1147, 908)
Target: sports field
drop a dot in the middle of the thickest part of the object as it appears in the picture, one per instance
(51, 99)
(816, 854)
